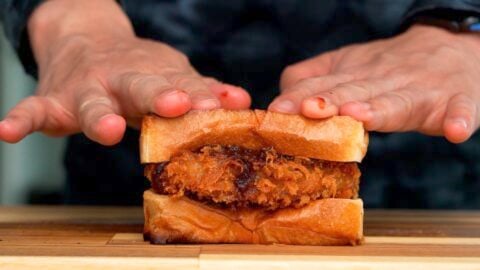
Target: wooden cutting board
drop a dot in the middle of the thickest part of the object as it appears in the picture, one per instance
(110, 238)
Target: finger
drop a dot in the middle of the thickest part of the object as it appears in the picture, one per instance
(140, 94)
(401, 110)
(97, 117)
(231, 97)
(327, 103)
(312, 67)
(201, 96)
(291, 98)
(26, 117)
(461, 118)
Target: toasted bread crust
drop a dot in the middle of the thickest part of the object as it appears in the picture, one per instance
(339, 138)
(322, 222)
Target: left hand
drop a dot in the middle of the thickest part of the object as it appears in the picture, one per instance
(425, 80)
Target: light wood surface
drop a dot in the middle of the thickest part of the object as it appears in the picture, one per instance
(111, 238)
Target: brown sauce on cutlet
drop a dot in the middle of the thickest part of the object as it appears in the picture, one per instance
(233, 176)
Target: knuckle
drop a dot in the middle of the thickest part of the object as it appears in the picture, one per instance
(59, 108)
(446, 50)
(29, 108)
(418, 57)
(388, 56)
(358, 72)
(302, 89)
(401, 110)
(348, 91)
(381, 104)
(290, 70)
(139, 90)
(385, 57)
(18, 112)
(92, 73)
(210, 80)
(464, 105)
(186, 82)
(182, 58)
(341, 94)
(139, 53)
(174, 54)
(134, 83)
(179, 79)
(405, 100)
(395, 102)
(31, 100)
(89, 105)
(445, 53)
(402, 72)
(291, 73)
(31, 105)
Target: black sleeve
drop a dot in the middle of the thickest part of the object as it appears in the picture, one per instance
(14, 15)
(448, 9)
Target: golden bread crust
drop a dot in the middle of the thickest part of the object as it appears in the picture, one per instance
(339, 138)
(322, 222)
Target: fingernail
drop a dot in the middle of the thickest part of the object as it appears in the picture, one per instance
(460, 122)
(4, 122)
(321, 103)
(285, 106)
(206, 104)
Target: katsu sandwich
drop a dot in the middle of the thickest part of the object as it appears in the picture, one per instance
(253, 177)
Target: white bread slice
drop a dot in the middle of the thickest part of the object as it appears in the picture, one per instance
(181, 220)
(339, 138)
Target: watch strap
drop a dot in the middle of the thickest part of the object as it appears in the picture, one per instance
(468, 24)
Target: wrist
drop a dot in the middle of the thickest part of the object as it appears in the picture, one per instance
(57, 21)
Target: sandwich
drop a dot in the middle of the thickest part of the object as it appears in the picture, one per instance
(253, 177)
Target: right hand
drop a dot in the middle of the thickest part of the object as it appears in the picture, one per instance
(98, 84)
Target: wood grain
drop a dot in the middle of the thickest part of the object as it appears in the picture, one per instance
(214, 262)
(111, 237)
(100, 263)
(71, 215)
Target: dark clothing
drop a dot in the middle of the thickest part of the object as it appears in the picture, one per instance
(248, 43)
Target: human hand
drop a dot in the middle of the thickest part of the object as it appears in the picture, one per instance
(95, 76)
(424, 80)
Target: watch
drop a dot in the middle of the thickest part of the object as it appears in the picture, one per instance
(455, 21)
